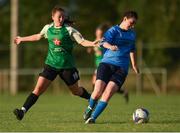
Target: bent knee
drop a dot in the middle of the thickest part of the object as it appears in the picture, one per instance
(107, 95)
(96, 94)
(38, 91)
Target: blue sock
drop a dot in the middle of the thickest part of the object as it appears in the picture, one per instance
(92, 102)
(99, 109)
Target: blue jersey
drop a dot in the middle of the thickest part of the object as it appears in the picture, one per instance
(125, 41)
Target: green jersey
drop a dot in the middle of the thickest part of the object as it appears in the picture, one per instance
(61, 42)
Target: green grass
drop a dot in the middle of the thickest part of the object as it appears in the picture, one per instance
(64, 113)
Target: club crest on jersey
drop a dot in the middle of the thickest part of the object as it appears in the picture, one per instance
(57, 42)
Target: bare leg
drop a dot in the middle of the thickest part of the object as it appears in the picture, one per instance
(75, 89)
(98, 89)
(79, 91)
(41, 86)
(111, 88)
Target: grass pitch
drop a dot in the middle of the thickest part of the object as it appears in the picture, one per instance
(64, 113)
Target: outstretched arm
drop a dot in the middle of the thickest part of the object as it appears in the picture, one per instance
(76, 36)
(31, 38)
(87, 43)
(134, 62)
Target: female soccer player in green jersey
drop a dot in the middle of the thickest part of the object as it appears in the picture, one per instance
(59, 60)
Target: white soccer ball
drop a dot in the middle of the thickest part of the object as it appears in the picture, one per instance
(141, 115)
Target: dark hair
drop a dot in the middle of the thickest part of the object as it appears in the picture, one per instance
(68, 20)
(57, 8)
(130, 14)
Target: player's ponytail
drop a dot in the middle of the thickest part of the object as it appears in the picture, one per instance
(68, 21)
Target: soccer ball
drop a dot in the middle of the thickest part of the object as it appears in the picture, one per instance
(141, 115)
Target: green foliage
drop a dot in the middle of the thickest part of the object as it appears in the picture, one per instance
(158, 23)
(5, 25)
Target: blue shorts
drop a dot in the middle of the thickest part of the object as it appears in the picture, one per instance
(107, 72)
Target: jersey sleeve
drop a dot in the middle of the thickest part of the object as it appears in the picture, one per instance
(109, 35)
(133, 48)
(43, 32)
(75, 35)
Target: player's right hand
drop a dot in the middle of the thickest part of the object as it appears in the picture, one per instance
(17, 40)
(96, 42)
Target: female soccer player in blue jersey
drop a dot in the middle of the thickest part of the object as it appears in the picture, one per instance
(59, 61)
(98, 55)
(119, 44)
